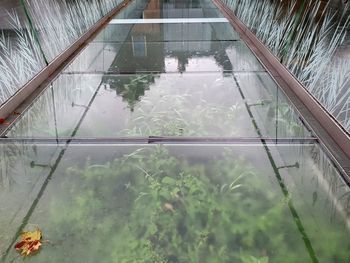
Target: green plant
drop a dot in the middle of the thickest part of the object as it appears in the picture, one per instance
(53, 27)
(169, 114)
(20, 58)
(151, 206)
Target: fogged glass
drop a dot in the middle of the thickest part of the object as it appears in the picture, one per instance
(174, 203)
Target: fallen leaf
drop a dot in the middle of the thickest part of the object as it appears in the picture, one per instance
(30, 242)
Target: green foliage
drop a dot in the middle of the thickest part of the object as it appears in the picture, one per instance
(150, 206)
(187, 116)
(251, 259)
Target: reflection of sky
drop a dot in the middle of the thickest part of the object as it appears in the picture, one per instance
(171, 64)
(194, 64)
(203, 64)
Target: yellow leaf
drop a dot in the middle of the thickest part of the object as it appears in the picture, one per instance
(30, 242)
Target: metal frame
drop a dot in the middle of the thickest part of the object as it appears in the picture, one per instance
(332, 136)
(160, 140)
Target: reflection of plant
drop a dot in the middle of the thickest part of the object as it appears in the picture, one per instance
(12, 168)
(288, 121)
(151, 207)
(330, 181)
(47, 117)
(176, 115)
(281, 119)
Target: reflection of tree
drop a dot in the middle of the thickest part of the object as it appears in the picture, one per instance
(182, 61)
(131, 88)
(14, 169)
(221, 56)
(217, 51)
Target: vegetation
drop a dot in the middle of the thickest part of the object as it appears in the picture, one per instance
(305, 36)
(151, 206)
(20, 58)
(184, 117)
(52, 26)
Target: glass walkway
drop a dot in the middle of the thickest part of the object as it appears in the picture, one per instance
(166, 140)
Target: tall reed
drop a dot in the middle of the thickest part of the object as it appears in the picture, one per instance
(305, 42)
(56, 25)
(20, 58)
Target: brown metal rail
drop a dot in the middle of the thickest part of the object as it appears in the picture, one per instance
(323, 124)
(9, 110)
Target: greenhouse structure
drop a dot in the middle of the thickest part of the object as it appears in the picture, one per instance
(175, 131)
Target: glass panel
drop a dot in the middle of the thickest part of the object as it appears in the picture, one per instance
(141, 55)
(176, 4)
(169, 12)
(169, 9)
(168, 32)
(272, 112)
(24, 171)
(175, 203)
(133, 10)
(58, 111)
(111, 105)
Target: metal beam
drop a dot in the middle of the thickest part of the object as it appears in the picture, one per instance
(160, 140)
